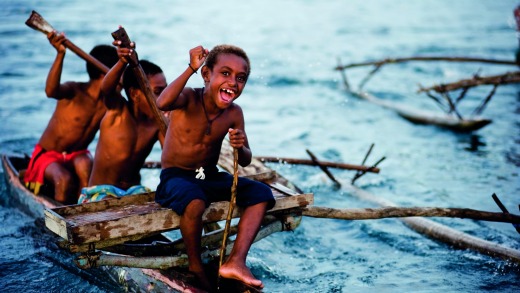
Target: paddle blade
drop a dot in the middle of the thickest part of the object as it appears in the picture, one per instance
(37, 22)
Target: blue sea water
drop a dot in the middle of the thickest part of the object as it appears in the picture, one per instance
(294, 101)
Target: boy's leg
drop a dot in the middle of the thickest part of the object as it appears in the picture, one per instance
(249, 225)
(63, 182)
(191, 230)
(83, 167)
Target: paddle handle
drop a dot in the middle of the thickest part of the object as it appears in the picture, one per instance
(37, 22)
(121, 35)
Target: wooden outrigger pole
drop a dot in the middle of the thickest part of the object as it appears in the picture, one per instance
(412, 218)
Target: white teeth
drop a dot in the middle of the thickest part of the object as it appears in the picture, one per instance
(228, 91)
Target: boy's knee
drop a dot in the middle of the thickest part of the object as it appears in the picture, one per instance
(195, 208)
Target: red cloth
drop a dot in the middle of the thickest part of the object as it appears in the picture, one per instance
(40, 160)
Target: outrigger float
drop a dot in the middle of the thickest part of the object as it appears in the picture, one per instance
(450, 118)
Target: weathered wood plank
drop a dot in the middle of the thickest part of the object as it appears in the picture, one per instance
(134, 221)
(56, 223)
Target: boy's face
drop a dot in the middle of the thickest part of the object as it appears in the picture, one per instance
(157, 83)
(227, 79)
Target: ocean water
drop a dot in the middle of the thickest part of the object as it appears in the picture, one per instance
(295, 101)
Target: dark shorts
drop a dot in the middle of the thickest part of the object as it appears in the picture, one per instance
(178, 187)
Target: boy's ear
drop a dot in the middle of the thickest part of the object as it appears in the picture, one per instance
(205, 72)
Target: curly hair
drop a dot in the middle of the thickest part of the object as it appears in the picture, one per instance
(106, 54)
(212, 57)
(149, 68)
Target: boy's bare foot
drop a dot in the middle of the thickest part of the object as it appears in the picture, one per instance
(203, 281)
(240, 273)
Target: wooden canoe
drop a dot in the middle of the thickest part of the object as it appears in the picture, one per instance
(150, 244)
(449, 121)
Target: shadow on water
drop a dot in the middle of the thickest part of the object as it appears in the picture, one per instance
(472, 142)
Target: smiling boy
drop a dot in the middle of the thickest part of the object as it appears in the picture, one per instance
(200, 119)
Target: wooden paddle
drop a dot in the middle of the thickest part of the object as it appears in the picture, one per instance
(230, 210)
(37, 22)
(121, 35)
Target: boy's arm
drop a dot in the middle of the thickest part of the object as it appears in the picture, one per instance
(172, 97)
(110, 83)
(53, 88)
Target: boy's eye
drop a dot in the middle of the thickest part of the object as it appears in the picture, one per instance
(242, 78)
(225, 73)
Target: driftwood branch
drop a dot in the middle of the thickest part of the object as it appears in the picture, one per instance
(506, 78)
(379, 63)
(398, 212)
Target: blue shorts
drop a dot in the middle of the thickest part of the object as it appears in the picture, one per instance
(178, 187)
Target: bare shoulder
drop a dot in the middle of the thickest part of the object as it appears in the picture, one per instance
(187, 96)
(235, 109)
(71, 89)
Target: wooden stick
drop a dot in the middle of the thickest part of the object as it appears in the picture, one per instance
(231, 207)
(442, 233)
(399, 212)
(144, 84)
(323, 163)
(323, 168)
(37, 22)
(426, 58)
(505, 211)
(506, 78)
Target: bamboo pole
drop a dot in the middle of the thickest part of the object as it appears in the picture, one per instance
(398, 212)
(426, 58)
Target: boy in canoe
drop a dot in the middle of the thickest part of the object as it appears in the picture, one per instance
(200, 119)
(127, 133)
(61, 157)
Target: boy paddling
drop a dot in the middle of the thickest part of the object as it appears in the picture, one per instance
(61, 157)
(127, 133)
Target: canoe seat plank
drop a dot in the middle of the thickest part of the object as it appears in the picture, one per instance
(117, 220)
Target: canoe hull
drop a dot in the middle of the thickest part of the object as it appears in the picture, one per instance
(131, 279)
